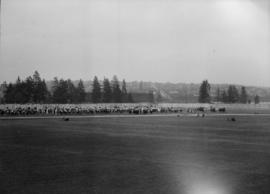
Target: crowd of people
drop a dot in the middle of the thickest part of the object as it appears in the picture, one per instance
(92, 109)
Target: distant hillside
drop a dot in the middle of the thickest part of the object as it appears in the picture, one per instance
(179, 92)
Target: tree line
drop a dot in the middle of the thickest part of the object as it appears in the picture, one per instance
(231, 95)
(110, 91)
(31, 90)
(34, 90)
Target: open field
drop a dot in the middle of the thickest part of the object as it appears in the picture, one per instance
(122, 155)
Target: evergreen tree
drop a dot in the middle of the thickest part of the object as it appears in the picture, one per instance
(124, 92)
(116, 91)
(81, 92)
(3, 89)
(64, 94)
(107, 91)
(55, 83)
(60, 94)
(18, 93)
(36, 87)
(204, 93)
(96, 92)
(55, 89)
(124, 87)
(71, 92)
(257, 99)
(44, 93)
(30, 88)
(243, 95)
(18, 81)
(3, 86)
(9, 93)
(23, 89)
(39, 88)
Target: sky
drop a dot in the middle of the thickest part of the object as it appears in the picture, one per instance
(224, 41)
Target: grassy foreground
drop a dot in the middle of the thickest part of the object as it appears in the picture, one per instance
(174, 155)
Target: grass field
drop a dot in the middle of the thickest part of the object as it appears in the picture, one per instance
(174, 155)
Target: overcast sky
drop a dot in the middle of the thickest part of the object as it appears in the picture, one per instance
(224, 41)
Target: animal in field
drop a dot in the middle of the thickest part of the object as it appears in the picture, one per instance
(212, 109)
(233, 119)
(65, 119)
(200, 109)
(222, 109)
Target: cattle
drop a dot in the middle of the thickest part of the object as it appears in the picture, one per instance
(136, 111)
(212, 109)
(64, 110)
(222, 109)
(200, 109)
(66, 119)
(233, 119)
(200, 115)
